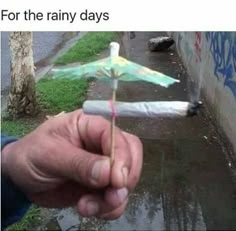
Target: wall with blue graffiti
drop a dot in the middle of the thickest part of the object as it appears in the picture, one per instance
(210, 58)
(222, 46)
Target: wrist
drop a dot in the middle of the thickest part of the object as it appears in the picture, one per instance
(7, 150)
(14, 202)
(11, 163)
(6, 146)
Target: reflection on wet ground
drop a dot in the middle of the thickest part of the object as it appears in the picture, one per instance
(182, 188)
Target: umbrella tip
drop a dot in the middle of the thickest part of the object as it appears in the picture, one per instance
(114, 44)
(114, 49)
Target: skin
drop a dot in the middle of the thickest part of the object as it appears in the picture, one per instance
(65, 162)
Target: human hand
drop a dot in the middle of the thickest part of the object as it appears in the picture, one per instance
(65, 162)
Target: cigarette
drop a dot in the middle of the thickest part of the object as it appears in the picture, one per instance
(142, 109)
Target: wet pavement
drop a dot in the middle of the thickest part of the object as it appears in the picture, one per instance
(188, 181)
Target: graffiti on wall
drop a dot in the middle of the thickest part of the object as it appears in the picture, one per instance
(223, 50)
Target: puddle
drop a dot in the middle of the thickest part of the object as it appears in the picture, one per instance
(182, 187)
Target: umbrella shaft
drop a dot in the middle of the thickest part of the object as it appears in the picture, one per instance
(113, 126)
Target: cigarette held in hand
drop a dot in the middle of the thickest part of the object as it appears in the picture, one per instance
(142, 109)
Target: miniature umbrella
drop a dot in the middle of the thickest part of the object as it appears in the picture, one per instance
(123, 69)
(114, 68)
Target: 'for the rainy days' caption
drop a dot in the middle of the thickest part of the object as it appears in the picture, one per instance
(70, 17)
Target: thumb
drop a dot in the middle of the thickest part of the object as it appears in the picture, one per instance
(90, 169)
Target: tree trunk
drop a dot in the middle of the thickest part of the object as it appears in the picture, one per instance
(22, 97)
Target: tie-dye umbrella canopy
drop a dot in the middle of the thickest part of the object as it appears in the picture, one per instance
(123, 70)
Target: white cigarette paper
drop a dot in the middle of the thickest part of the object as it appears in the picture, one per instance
(137, 109)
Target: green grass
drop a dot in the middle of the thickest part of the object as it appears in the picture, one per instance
(31, 216)
(87, 48)
(17, 128)
(58, 95)
(54, 96)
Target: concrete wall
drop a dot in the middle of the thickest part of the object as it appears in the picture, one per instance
(210, 59)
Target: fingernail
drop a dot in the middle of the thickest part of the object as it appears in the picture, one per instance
(92, 208)
(97, 168)
(122, 194)
(125, 175)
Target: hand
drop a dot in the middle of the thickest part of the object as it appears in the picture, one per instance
(65, 162)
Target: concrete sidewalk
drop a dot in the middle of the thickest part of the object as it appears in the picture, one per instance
(188, 179)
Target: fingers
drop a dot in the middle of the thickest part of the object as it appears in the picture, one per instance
(116, 213)
(96, 134)
(62, 196)
(136, 149)
(122, 158)
(95, 205)
(115, 197)
(112, 204)
(89, 169)
(87, 161)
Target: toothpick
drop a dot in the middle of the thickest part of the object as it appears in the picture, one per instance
(113, 129)
(114, 52)
(113, 121)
